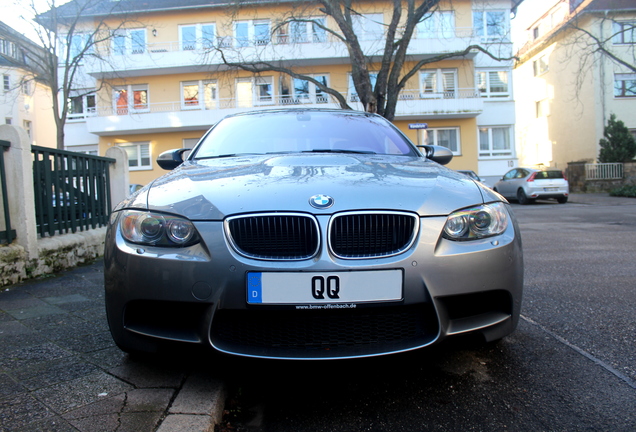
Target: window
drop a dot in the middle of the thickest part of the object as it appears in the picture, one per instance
(248, 33)
(26, 87)
(625, 85)
(543, 108)
(368, 26)
(540, 66)
(8, 120)
(200, 94)
(129, 41)
(26, 125)
(6, 83)
(314, 31)
(353, 94)
(437, 25)
(438, 83)
(189, 143)
(624, 32)
(8, 48)
(80, 107)
(493, 84)
(138, 155)
(490, 24)
(79, 44)
(495, 141)
(137, 103)
(197, 36)
(445, 137)
(308, 92)
(254, 91)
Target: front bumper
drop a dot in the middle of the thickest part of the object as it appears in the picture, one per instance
(197, 295)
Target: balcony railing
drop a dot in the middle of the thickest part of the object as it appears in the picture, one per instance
(221, 42)
(277, 101)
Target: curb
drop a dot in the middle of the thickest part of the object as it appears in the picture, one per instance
(198, 406)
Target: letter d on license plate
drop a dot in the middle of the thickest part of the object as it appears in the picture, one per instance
(316, 288)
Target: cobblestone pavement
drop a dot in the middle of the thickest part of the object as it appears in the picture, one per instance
(60, 370)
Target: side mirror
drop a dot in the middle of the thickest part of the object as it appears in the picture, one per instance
(171, 159)
(438, 154)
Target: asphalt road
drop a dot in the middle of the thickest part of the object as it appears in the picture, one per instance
(570, 366)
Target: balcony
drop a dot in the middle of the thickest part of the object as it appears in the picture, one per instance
(173, 116)
(163, 58)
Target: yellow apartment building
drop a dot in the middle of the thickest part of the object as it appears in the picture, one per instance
(163, 81)
(565, 93)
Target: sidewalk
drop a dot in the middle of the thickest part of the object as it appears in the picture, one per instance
(600, 199)
(60, 370)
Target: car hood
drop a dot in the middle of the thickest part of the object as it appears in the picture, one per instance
(215, 188)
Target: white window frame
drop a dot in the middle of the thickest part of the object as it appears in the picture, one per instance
(368, 27)
(623, 78)
(8, 48)
(140, 146)
(128, 37)
(27, 125)
(202, 40)
(78, 42)
(188, 143)
(306, 31)
(438, 89)
(352, 93)
(483, 15)
(256, 83)
(440, 24)
(485, 86)
(542, 108)
(541, 65)
(431, 136)
(252, 35)
(313, 95)
(6, 83)
(491, 152)
(130, 106)
(203, 103)
(624, 32)
(87, 111)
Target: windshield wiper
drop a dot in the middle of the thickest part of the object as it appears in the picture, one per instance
(230, 155)
(339, 151)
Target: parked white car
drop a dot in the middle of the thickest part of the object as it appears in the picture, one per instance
(528, 184)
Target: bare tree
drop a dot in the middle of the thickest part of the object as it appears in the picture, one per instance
(66, 43)
(392, 56)
(607, 38)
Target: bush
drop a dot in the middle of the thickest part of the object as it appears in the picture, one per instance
(625, 191)
(619, 144)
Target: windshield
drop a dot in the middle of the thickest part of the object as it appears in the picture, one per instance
(303, 131)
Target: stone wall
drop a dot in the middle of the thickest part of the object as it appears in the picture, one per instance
(578, 182)
(54, 254)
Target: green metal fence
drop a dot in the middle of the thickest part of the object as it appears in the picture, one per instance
(7, 234)
(72, 190)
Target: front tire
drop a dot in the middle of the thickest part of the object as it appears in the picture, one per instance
(522, 197)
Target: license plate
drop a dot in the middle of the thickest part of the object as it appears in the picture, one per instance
(332, 287)
(550, 189)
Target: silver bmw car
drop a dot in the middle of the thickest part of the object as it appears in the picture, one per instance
(310, 234)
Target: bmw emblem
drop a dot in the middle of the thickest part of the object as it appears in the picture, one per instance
(321, 201)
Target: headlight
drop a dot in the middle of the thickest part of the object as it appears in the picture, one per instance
(477, 222)
(157, 229)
